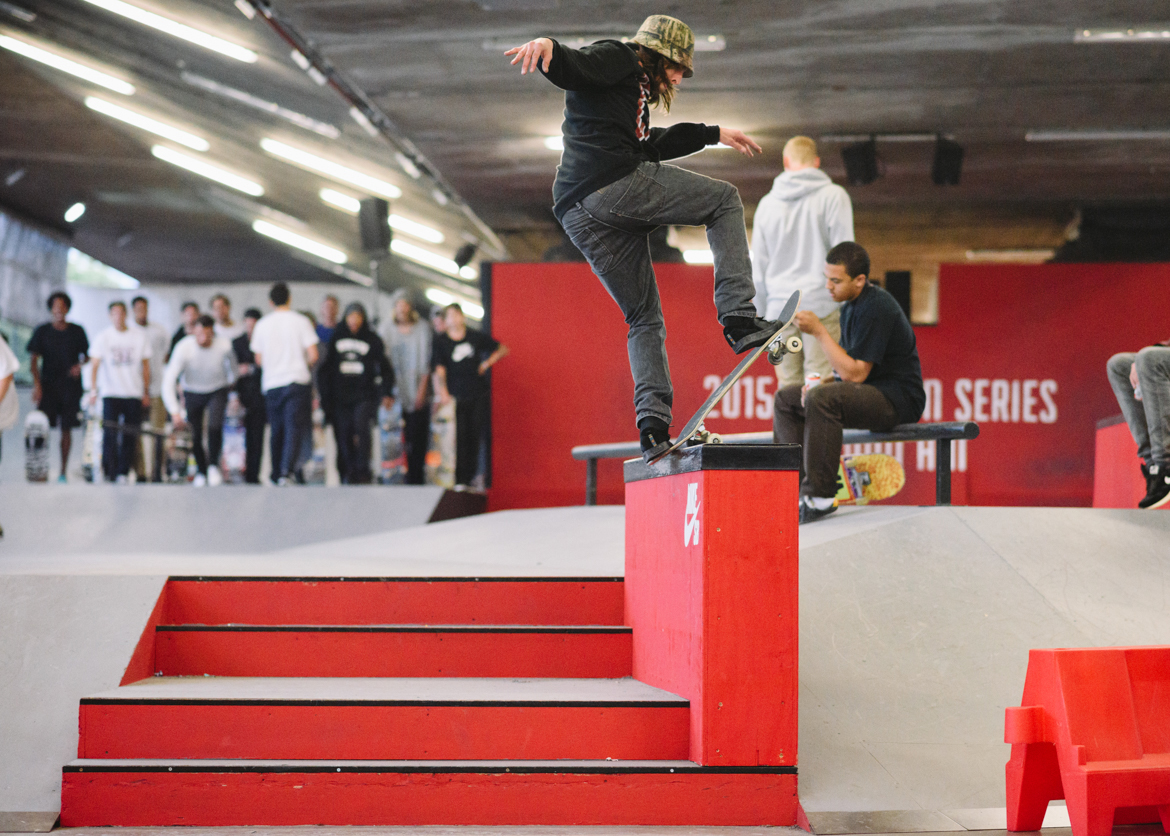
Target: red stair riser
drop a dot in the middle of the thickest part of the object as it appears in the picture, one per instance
(394, 602)
(345, 654)
(362, 732)
(141, 799)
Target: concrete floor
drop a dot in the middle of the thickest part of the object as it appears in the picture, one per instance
(915, 627)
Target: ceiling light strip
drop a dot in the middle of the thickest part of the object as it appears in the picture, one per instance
(177, 30)
(442, 297)
(139, 120)
(204, 169)
(1118, 135)
(66, 65)
(293, 239)
(298, 119)
(424, 256)
(330, 169)
(1087, 36)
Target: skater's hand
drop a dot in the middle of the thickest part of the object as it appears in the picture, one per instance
(75, 371)
(532, 54)
(1133, 378)
(177, 420)
(808, 322)
(739, 141)
(146, 401)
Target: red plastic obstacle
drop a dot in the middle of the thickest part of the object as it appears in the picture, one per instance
(711, 594)
(1093, 728)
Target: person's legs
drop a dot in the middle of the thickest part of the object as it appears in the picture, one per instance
(416, 433)
(469, 426)
(1132, 409)
(274, 401)
(359, 454)
(216, 409)
(299, 425)
(255, 417)
(829, 408)
(1153, 368)
(196, 403)
(128, 442)
(343, 434)
(109, 438)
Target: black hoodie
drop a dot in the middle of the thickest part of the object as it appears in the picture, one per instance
(602, 84)
(354, 369)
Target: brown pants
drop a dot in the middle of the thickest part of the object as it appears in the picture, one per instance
(829, 408)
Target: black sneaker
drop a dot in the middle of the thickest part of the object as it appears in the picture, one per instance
(809, 513)
(745, 332)
(654, 436)
(1158, 493)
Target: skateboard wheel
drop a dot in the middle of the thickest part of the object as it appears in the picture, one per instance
(776, 354)
(793, 344)
(714, 438)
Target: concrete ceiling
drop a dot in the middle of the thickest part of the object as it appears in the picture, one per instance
(983, 71)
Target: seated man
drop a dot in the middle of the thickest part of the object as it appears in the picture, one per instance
(877, 378)
(1141, 382)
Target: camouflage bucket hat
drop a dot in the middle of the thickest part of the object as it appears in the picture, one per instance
(670, 37)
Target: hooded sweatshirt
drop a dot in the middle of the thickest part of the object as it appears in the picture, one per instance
(796, 224)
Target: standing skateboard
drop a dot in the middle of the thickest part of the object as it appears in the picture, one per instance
(694, 432)
(391, 450)
(868, 478)
(36, 447)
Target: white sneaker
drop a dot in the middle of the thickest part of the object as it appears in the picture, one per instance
(214, 477)
(122, 480)
(200, 481)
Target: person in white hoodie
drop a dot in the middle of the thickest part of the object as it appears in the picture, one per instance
(796, 224)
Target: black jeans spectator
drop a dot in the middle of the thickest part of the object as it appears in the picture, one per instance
(213, 405)
(416, 437)
(118, 444)
(255, 417)
(353, 425)
(470, 423)
(290, 415)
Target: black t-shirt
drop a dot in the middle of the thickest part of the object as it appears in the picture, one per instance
(874, 329)
(59, 351)
(461, 360)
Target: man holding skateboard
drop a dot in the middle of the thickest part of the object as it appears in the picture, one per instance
(877, 377)
(612, 191)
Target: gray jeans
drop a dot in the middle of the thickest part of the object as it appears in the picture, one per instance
(1149, 418)
(611, 228)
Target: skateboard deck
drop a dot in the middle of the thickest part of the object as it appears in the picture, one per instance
(868, 478)
(36, 447)
(693, 432)
(391, 450)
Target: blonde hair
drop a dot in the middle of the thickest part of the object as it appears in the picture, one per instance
(801, 150)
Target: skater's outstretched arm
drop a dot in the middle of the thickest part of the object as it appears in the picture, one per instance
(598, 65)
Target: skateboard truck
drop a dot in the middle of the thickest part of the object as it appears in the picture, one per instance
(777, 350)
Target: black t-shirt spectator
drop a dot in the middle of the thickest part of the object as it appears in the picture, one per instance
(875, 330)
(461, 360)
(59, 351)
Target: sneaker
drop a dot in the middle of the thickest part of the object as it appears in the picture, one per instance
(214, 477)
(122, 479)
(810, 513)
(744, 332)
(654, 436)
(283, 482)
(61, 480)
(200, 481)
(1158, 493)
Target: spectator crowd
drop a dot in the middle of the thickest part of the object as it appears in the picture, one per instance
(145, 388)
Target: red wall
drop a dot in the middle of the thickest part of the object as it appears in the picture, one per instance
(1021, 349)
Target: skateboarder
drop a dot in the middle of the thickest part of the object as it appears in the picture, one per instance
(612, 191)
(57, 351)
(878, 385)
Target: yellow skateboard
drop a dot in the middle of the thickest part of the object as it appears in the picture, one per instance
(864, 479)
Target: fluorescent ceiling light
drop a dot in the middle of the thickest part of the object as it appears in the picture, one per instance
(424, 256)
(138, 120)
(698, 257)
(554, 143)
(74, 212)
(60, 62)
(298, 119)
(176, 29)
(442, 297)
(355, 113)
(468, 272)
(330, 169)
(341, 201)
(299, 241)
(1120, 134)
(352, 205)
(17, 12)
(1149, 33)
(407, 165)
(246, 9)
(207, 170)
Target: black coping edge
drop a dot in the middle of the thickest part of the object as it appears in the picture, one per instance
(605, 769)
(1111, 421)
(716, 457)
(396, 703)
(589, 629)
(323, 579)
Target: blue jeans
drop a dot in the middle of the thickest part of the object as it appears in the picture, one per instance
(290, 416)
(611, 227)
(1149, 418)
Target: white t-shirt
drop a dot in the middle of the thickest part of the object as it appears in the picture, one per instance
(229, 332)
(160, 342)
(281, 338)
(121, 353)
(202, 370)
(10, 404)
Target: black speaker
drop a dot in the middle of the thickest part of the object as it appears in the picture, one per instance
(948, 162)
(861, 163)
(374, 225)
(898, 286)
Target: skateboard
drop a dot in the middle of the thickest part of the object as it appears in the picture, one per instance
(693, 432)
(440, 461)
(869, 478)
(36, 447)
(391, 451)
